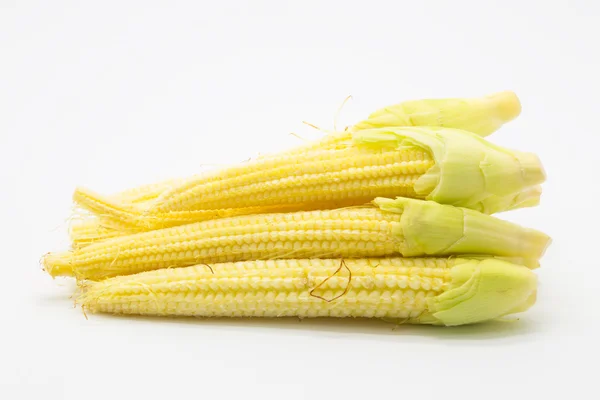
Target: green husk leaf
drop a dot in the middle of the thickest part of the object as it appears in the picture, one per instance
(468, 172)
(429, 228)
(483, 290)
(482, 115)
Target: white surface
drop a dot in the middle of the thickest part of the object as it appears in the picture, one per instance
(115, 94)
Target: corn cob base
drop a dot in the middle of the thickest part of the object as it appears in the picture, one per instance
(406, 227)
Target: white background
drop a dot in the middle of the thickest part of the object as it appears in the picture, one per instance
(115, 94)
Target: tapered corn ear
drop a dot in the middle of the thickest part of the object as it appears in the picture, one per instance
(445, 165)
(396, 226)
(437, 291)
(481, 115)
(58, 264)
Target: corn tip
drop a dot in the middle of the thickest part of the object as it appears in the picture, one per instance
(507, 104)
(58, 264)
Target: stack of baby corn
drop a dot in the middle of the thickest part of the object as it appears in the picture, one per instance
(389, 219)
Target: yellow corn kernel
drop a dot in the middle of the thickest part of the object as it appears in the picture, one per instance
(403, 226)
(344, 233)
(430, 291)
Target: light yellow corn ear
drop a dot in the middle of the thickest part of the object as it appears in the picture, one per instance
(482, 115)
(445, 165)
(466, 170)
(427, 291)
(403, 226)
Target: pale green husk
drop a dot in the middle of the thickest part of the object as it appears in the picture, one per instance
(429, 228)
(468, 172)
(482, 290)
(481, 115)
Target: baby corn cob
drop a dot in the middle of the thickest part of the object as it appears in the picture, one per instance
(387, 162)
(427, 291)
(444, 165)
(402, 226)
(479, 115)
(482, 115)
(414, 179)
